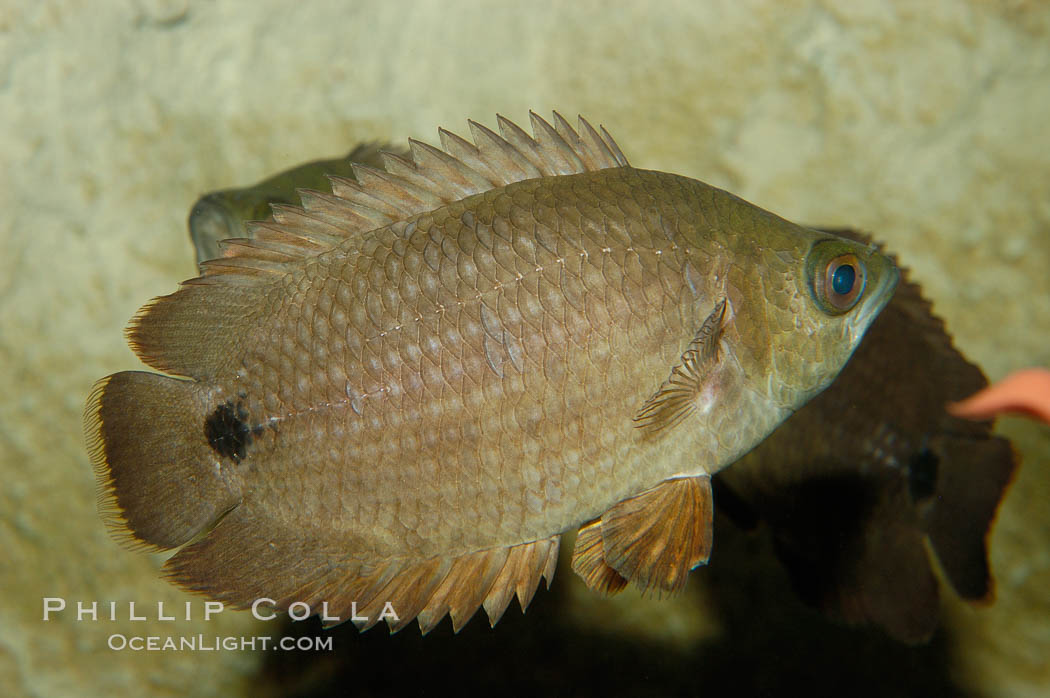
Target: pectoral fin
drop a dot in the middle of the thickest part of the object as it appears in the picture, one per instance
(677, 398)
(651, 540)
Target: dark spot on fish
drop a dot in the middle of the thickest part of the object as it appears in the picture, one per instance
(228, 432)
(922, 474)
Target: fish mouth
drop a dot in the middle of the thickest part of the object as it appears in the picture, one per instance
(877, 299)
(209, 223)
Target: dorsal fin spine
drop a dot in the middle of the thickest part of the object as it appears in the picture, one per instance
(515, 166)
(569, 135)
(271, 230)
(620, 157)
(410, 172)
(463, 177)
(386, 187)
(524, 143)
(467, 153)
(591, 137)
(555, 146)
(298, 218)
(365, 198)
(335, 208)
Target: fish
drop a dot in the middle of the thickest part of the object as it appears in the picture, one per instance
(871, 480)
(1025, 392)
(836, 581)
(404, 392)
(221, 215)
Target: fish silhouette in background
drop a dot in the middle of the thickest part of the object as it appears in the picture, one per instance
(221, 215)
(406, 390)
(854, 484)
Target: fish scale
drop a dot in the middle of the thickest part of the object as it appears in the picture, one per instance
(420, 409)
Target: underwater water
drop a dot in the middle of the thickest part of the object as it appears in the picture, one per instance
(924, 125)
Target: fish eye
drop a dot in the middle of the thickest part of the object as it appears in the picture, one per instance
(836, 276)
(841, 283)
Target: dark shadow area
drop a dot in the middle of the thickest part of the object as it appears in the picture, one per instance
(772, 644)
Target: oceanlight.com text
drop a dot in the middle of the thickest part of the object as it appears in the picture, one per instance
(215, 643)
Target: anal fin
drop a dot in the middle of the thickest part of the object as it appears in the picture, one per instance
(655, 538)
(458, 586)
(238, 562)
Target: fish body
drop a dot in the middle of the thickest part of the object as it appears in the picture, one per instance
(408, 389)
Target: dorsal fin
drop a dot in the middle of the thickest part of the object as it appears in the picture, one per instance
(166, 334)
(428, 177)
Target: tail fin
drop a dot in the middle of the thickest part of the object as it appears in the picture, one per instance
(970, 487)
(160, 484)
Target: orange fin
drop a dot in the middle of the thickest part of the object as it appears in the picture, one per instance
(656, 537)
(463, 589)
(238, 562)
(457, 586)
(677, 397)
(588, 561)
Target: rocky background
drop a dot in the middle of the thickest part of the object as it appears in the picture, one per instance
(924, 122)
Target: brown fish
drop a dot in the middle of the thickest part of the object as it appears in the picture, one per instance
(405, 391)
(905, 360)
(859, 482)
